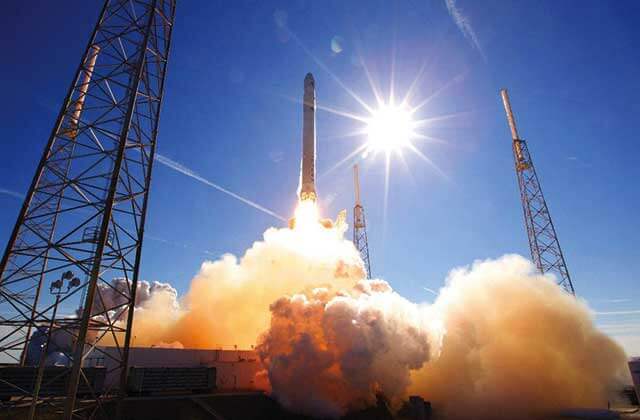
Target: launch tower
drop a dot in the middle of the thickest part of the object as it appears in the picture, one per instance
(360, 225)
(543, 240)
(82, 222)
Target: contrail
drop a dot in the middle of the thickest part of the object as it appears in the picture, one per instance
(621, 327)
(188, 172)
(11, 193)
(631, 312)
(613, 300)
(430, 290)
(179, 245)
(464, 25)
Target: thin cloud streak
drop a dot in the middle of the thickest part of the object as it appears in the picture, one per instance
(179, 245)
(605, 313)
(464, 25)
(11, 193)
(620, 325)
(620, 328)
(178, 167)
(614, 300)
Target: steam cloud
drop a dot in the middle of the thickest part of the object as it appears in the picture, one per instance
(327, 353)
(228, 301)
(499, 341)
(516, 346)
(115, 294)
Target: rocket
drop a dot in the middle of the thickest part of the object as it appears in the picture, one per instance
(307, 189)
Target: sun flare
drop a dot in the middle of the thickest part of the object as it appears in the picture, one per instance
(389, 128)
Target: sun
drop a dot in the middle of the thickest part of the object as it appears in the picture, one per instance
(392, 125)
(389, 128)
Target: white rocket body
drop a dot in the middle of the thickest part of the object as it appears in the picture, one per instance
(307, 190)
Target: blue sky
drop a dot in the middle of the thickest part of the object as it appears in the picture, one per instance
(230, 114)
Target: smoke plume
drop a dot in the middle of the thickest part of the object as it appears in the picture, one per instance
(228, 300)
(327, 352)
(500, 340)
(115, 294)
(516, 346)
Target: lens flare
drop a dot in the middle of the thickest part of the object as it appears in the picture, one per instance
(389, 128)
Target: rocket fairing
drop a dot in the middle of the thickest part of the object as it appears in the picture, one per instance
(307, 189)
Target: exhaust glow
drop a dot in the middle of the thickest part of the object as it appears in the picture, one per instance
(306, 216)
(315, 233)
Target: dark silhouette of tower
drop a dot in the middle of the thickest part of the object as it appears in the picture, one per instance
(82, 222)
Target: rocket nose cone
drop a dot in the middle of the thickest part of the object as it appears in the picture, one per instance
(308, 79)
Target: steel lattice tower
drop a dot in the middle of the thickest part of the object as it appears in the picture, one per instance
(543, 240)
(360, 225)
(85, 211)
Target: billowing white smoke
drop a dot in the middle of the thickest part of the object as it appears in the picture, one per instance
(108, 296)
(516, 346)
(114, 295)
(499, 341)
(329, 352)
(228, 301)
(146, 291)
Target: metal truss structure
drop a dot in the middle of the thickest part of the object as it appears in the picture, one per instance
(543, 240)
(79, 232)
(360, 226)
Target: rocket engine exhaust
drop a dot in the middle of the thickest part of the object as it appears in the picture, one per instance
(307, 190)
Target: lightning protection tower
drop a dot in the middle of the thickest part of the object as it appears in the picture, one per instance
(76, 245)
(360, 225)
(543, 240)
